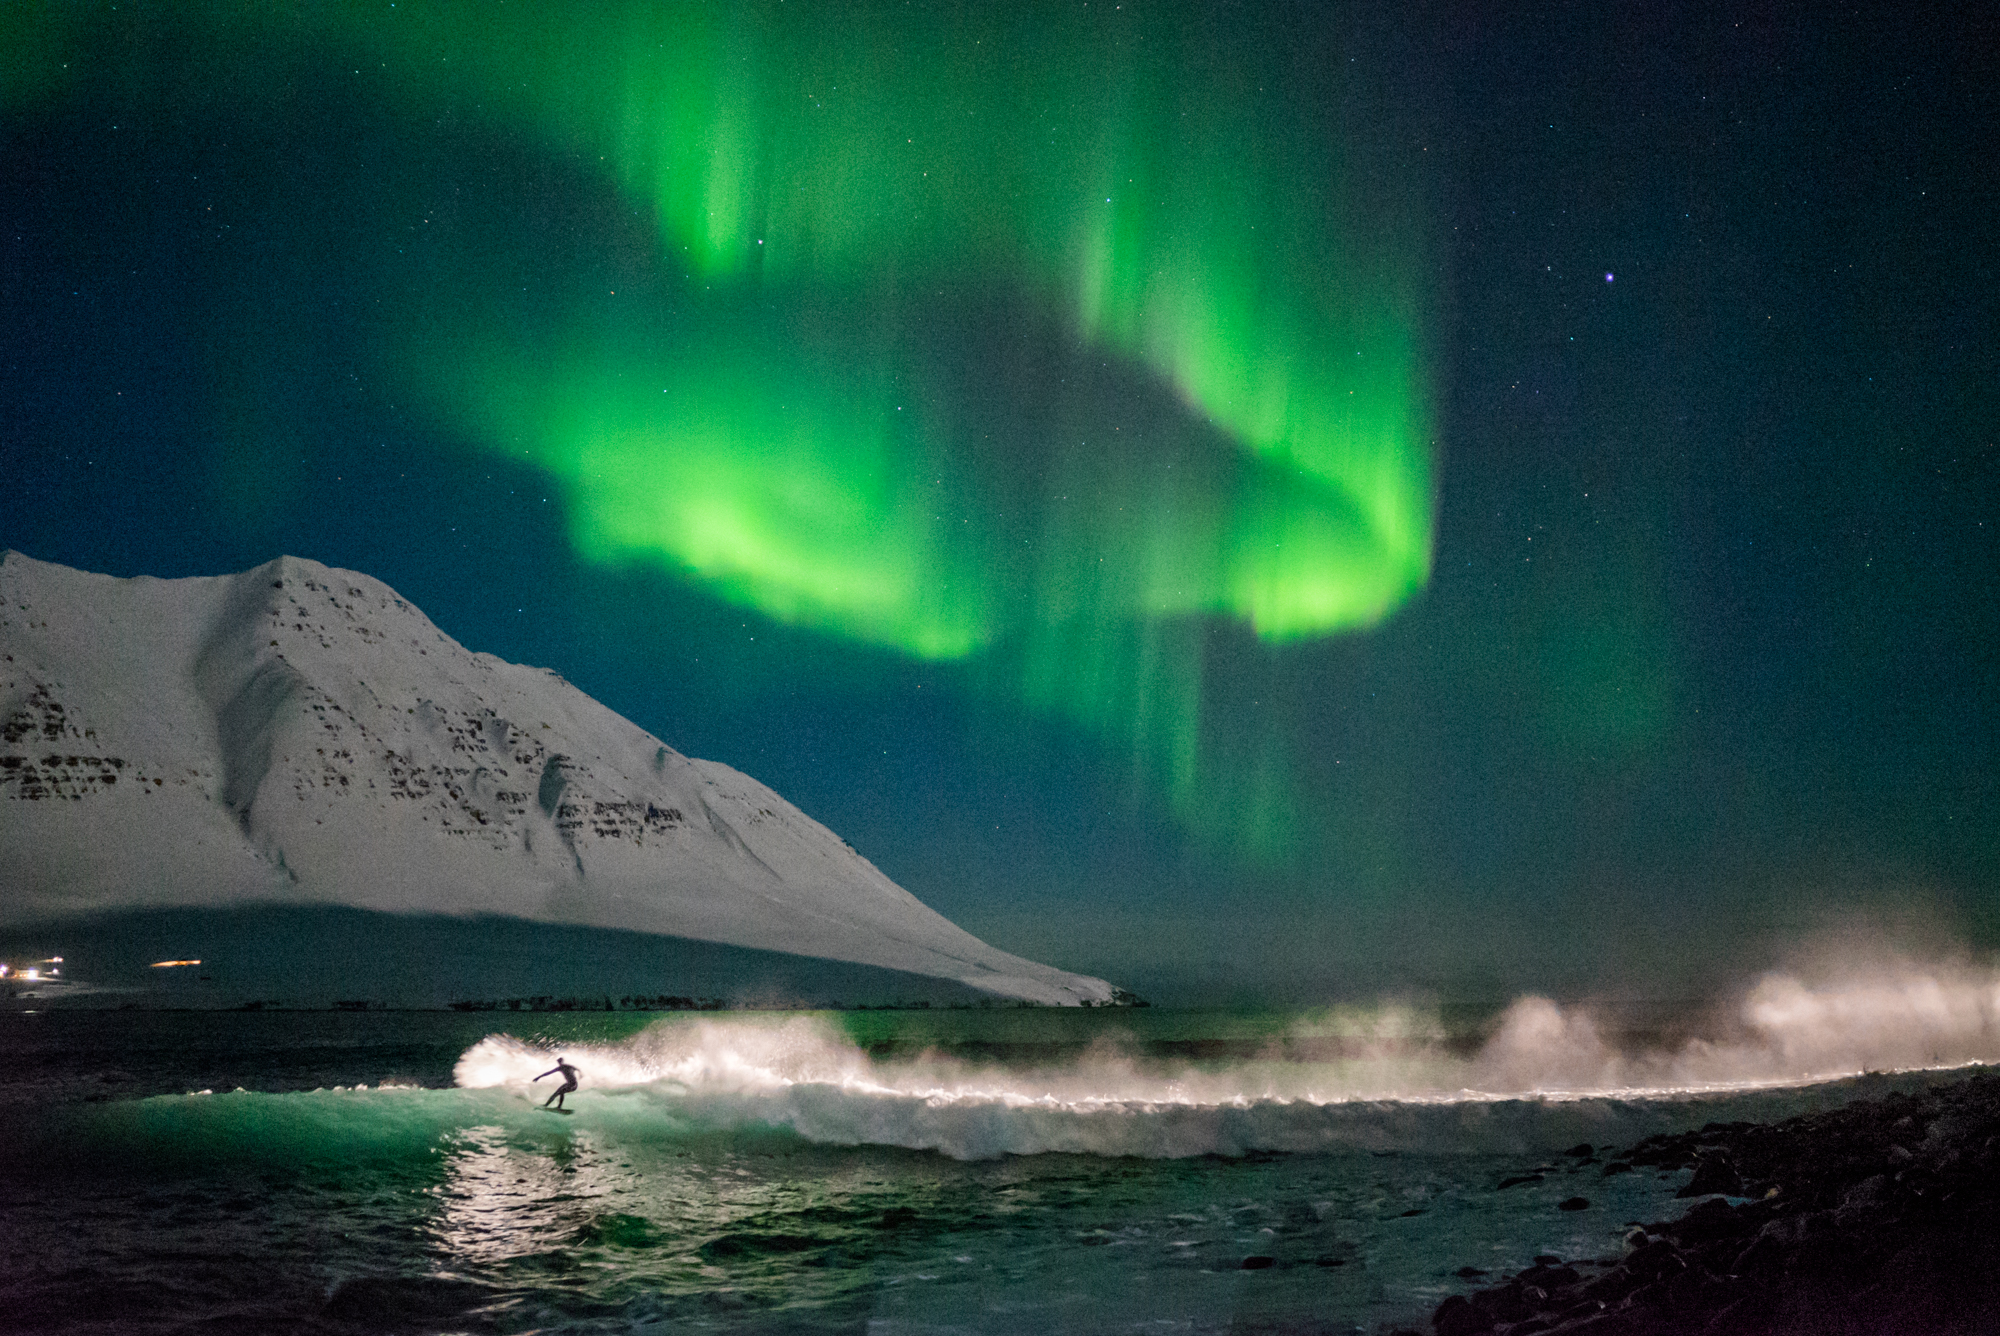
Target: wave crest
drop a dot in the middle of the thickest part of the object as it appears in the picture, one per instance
(1545, 1072)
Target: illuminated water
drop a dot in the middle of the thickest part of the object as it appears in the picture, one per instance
(896, 1172)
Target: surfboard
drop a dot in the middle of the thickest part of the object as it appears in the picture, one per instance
(564, 1112)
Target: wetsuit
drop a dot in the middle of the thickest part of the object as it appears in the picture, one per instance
(569, 1083)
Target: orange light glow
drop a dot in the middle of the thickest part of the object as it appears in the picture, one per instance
(169, 964)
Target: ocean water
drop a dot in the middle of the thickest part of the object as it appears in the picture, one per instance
(963, 1171)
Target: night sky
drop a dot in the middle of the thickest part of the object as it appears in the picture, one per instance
(1249, 501)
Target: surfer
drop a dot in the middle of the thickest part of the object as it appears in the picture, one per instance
(569, 1084)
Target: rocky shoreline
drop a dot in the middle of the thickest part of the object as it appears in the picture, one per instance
(1882, 1216)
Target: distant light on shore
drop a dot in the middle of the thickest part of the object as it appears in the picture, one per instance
(170, 964)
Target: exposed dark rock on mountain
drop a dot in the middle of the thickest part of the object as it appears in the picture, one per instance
(300, 736)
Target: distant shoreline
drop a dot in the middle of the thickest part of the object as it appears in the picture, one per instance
(539, 1005)
(335, 957)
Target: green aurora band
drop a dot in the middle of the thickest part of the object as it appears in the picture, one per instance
(812, 397)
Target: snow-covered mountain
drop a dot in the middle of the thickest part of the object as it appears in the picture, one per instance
(299, 735)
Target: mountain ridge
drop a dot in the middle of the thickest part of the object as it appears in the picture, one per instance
(299, 734)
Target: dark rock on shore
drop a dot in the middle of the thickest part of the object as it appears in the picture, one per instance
(1882, 1216)
(1713, 1173)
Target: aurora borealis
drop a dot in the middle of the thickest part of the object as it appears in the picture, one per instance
(776, 408)
(1151, 457)
(851, 195)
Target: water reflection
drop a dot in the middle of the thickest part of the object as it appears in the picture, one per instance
(502, 1202)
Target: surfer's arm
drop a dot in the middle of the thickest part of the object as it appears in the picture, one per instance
(550, 1072)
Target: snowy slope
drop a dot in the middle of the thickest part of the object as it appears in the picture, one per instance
(298, 734)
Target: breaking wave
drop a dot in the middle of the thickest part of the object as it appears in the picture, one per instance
(1547, 1074)
(1540, 1077)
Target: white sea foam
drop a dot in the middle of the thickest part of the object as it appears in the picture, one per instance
(1546, 1074)
(1783, 1030)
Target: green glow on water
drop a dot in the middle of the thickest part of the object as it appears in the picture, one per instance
(854, 212)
